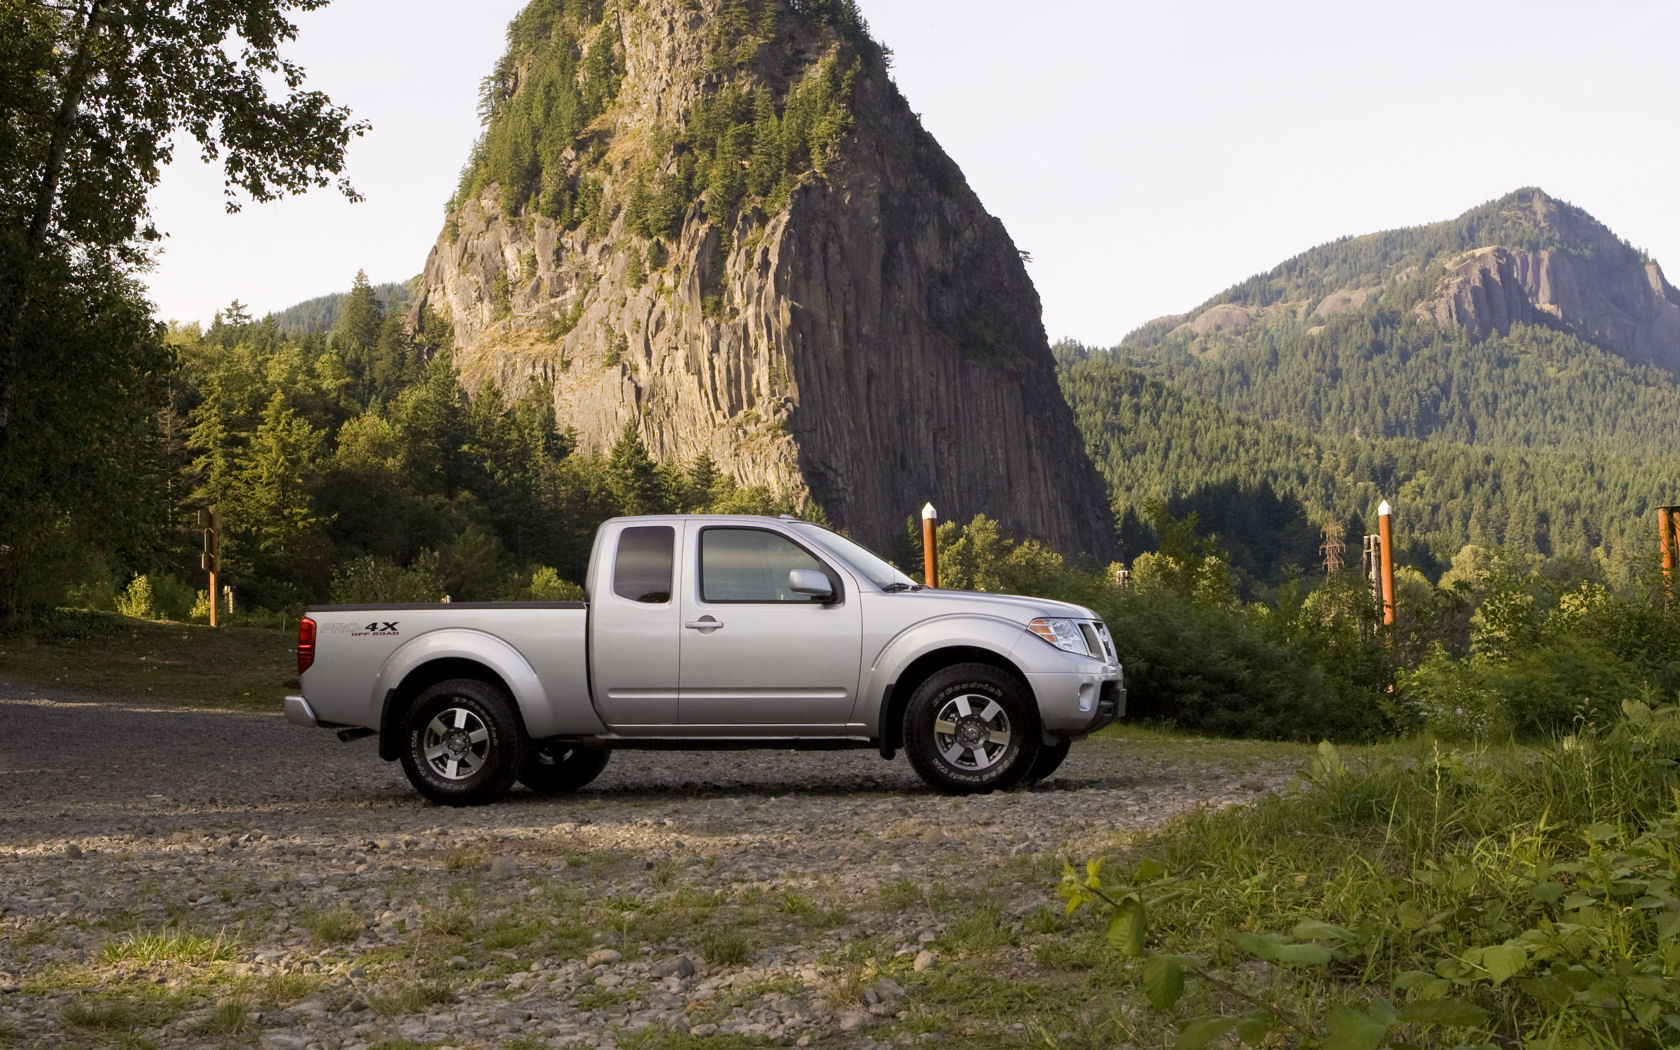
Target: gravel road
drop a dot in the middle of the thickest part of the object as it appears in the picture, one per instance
(197, 878)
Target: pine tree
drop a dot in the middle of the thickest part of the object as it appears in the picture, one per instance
(632, 476)
(355, 336)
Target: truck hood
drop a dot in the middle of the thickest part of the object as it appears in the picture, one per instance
(1012, 606)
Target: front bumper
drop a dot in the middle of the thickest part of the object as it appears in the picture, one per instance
(1073, 704)
(298, 712)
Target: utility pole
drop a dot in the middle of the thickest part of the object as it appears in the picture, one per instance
(210, 520)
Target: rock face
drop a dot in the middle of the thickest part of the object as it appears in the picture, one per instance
(1598, 287)
(870, 341)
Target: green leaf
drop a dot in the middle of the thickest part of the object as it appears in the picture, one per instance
(1124, 931)
(1602, 832)
(1314, 930)
(1202, 1031)
(1548, 989)
(1253, 1028)
(1148, 869)
(1453, 1013)
(1348, 1029)
(1304, 954)
(1504, 961)
(1163, 981)
(1264, 945)
(1546, 892)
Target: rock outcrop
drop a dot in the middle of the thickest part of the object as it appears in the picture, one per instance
(868, 338)
(1598, 288)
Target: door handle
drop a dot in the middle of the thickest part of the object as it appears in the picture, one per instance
(705, 623)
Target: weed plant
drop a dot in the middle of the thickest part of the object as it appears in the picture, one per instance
(1511, 896)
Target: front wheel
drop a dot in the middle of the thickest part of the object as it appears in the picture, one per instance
(553, 768)
(462, 742)
(971, 728)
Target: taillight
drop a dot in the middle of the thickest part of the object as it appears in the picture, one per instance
(306, 644)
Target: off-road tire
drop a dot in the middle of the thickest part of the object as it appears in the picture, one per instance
(553, 768)
(463, 743)
(1050, 758)
(971, 728)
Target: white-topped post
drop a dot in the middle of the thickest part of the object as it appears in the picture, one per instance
(930, 551)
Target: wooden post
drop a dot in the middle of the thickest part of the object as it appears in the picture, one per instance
(930, 545)
(210, 520)
(1385, 532)
(1666, 521)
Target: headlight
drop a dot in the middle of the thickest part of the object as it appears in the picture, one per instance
(1063, 634)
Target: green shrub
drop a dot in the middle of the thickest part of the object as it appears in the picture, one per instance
(157, 596)
(545, 585)
(1548, 649)
(1513, 897)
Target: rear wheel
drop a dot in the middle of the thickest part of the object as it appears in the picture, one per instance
(971, 728)
(1050, 758)
(462, 742)
(553, 768)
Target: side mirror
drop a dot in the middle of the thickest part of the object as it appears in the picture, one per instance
(812, 582)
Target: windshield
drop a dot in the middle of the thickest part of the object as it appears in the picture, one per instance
(860, 560)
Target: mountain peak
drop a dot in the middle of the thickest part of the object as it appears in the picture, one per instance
(720, 221)
(1525, 258)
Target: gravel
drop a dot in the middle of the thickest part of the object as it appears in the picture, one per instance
(121, 822)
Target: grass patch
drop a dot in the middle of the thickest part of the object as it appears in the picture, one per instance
(980, 929)
(171, 946)
(463, 859)
(123, 1011)
(508, 932)
(230, 1017)
(236, 668)
(410, 997)
(602, 998)
(726, 947)
(282, 989)
(331, 925)
(455, 922)
(810, 913)
(1176, 747)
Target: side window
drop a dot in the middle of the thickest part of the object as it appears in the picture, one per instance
(642, 570)
(751, 565)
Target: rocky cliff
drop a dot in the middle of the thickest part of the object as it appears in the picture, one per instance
(1591, 283)
(719, 219)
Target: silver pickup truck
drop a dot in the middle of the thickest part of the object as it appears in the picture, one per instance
(712, 631)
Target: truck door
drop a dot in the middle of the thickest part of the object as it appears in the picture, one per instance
(756, 654)
(633, 631)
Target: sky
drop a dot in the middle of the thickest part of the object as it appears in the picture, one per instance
(1147, 156)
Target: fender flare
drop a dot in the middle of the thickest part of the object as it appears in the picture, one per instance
(393, 687)
(962, 636)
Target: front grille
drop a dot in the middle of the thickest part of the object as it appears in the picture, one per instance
(1092, 644)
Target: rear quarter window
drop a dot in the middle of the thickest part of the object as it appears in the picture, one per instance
(642, 567)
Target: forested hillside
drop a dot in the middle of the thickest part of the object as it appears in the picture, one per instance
(1153, 442)
(1493, 406)
(354, 466)
(321, 313)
